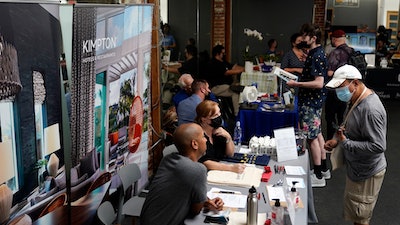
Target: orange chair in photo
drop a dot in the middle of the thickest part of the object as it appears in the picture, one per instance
(102, 179)
(54, 204)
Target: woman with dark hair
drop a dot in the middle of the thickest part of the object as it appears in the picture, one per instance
(219, 141)
(272, 48)
(293, 60)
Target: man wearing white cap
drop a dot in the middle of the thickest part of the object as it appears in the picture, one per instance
(362, 136)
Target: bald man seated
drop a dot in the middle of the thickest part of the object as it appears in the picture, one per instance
(179, 188)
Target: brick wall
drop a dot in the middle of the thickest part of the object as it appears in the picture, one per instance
(319, 14)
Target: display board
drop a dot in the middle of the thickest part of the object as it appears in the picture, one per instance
(114, 40)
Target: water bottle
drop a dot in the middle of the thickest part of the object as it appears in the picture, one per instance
(252, 206)
(237, 136)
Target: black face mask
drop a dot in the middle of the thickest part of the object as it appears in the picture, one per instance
(216, 122)
(303, 45)
(207, 95)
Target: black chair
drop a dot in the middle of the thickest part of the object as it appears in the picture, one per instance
(227, 112)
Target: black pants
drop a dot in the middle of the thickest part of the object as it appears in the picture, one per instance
(334, 110)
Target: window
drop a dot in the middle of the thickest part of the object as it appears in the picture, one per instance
(8, 133)
(391, 23)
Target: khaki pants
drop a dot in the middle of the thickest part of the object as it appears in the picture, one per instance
(360, 198)
(225, 91)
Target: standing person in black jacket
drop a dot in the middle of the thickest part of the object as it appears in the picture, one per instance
(334, 108)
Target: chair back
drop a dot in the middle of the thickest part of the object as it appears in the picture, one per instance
(102, 179)
(106, 213)
(129, 174)
(58, 201)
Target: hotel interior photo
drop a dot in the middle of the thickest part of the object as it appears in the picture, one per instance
(91, 131)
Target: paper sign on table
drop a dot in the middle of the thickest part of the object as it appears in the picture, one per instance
(295, 170)
(285, 144)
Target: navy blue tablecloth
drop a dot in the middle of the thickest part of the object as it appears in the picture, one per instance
(261, 123)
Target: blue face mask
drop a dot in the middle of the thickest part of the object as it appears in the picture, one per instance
(344, 93)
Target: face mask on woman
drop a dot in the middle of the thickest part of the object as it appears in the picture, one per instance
(216, 122)
(344, 93)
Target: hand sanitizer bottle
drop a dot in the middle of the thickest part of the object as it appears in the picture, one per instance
(277, 213)
(294, 195)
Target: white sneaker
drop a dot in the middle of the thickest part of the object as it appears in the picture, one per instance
(326, 174)
(315, 182)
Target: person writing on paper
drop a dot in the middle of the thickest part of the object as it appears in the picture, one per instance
(179, 188)
(362, 136)
(219, 141)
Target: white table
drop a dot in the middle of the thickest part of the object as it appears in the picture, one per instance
(301, 217)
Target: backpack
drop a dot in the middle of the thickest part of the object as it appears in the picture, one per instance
(357, 59)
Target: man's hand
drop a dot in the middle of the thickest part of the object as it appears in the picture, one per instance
(291, 83)
(330, 144)
(215, 204)
(340, 134)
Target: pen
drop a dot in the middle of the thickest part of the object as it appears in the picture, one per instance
(265, 201)
(226, 192)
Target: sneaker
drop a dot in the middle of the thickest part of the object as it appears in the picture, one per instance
(315, 182)
(326, 174)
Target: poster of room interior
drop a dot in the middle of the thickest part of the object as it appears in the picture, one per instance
(111, 61)
(30, 65)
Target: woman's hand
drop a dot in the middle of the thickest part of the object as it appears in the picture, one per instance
(238, 168)
(222, 132)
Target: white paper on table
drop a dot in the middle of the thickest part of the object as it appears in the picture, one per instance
(295, 170)
(231, 200)
(285, 144)
(250, 177)
(239, 218)
(300, 182)
(276, 193)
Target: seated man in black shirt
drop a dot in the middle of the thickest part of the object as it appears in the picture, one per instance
(189, 66)
(220, 76)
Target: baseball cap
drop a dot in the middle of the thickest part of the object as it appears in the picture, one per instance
(343, 73)
(338, 34)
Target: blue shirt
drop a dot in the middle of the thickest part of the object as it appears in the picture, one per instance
(182, 95)
(187, 109)
(316, 65)
(168, 40)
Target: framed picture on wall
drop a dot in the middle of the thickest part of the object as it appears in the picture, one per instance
(346, 3)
